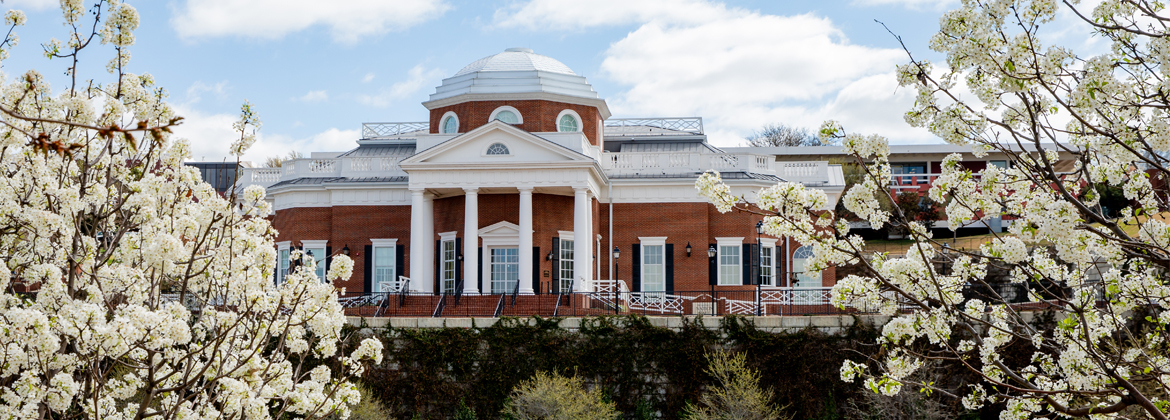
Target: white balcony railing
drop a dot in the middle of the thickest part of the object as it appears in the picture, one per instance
(393, 129)
(629, 163)
(805, 172)
(653, 126)
(357, 167)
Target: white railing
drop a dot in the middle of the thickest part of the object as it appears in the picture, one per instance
(393, 129)
(653, 126)
(372, 164)
(322, 168)
(264, 175)
(666, 162)
(804, 171)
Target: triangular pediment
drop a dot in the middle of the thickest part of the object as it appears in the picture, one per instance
(500, 229)
(496, 143)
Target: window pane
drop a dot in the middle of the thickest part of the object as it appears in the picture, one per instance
(653, 268)
(766, 266)
(566, 259)
(450, 126)
(283, 271)
(384, 279)
(508, 117)
(567, 124)
(729, 265)
(319, 257)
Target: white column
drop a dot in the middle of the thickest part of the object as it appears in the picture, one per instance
(471, 241)
(525, 240)
(417, 239)
(581, 240)
(428, 231)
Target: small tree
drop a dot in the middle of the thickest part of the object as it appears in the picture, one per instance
(278, 161)
(782, 135)
(1106, 280)
(738, 395)
(555, 397)
(99, 217)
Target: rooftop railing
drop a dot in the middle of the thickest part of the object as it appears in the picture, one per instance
(653, 126)
(393, 129)
(352, 167)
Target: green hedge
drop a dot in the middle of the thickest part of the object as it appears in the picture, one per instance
(430, 373)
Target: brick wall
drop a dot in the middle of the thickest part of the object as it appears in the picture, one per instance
(538, 116)
(696, 223)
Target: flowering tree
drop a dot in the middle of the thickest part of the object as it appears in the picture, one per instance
(1106, 279)
(130, 288)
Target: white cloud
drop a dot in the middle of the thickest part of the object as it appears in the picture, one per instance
(313, 96)
(418, 77)
(211, 135)
(748, 69)
(368, 78)
(31, 4)
(197, 89)
(347, 20)
(566, 14)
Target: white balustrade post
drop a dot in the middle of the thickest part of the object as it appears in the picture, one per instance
(526, 240)
(471, 241)
(581, 240)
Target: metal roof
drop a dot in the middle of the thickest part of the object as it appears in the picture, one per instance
(693, 175)
(895, 149)
(381, 150)
(668, 147)
(516, 71)
(334, 180)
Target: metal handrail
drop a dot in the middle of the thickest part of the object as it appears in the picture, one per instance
(458, 291)
(560, 297)
(499, 307)
(515, 293)
(440, 306)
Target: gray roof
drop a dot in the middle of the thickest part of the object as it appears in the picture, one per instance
(694, 175)
(381, 150)
(334, 180)
(895, 149)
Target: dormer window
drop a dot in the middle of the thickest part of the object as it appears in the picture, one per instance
(498, 149)
(449, 124)
(507, 115)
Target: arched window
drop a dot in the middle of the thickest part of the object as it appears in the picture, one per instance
(507, 114)
(804, 277)
(497, 149)
(449, 124)
(508, 117)
(567, 124)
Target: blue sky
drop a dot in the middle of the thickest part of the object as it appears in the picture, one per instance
(316, 70)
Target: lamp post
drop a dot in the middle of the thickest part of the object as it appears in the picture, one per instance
(617, 253)
(759, 264)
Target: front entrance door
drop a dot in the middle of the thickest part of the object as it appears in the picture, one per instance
(505, 269)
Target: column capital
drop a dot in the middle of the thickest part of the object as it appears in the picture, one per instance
(525, 188)
(471, 189)
(579, 190)
(417, 191)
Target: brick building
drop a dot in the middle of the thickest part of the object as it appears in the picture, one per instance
(521, 182)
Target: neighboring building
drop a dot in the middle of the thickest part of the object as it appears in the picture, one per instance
(521, 181)
(221, 175)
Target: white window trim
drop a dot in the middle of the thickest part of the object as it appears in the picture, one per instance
(451, 114)
(771, 243)
(645, 241)
(484, 152)
(719, 244)
(580, 122)
(448, 236)
(384, 243)
(282, 246)
(519, 116)
(565, 235)
(323, 245)
(444, 237)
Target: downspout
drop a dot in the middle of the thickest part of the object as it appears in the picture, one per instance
(609, 250)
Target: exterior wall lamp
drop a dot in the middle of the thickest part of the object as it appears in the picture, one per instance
(345, 250)
(549, 256)
(688, 249)
(711, 251)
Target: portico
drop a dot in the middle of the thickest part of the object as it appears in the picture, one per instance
(496, 255)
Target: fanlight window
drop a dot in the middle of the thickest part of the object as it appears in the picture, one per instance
(497, 149)
(567, 124)
(450, 125)
(508, 117)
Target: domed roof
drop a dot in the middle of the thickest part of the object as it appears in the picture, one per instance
(517, 59)
(516, 73)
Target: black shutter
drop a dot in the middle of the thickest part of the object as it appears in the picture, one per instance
(399, 260)
(636, 268)
(479, 275)
(438, 268)
(276, 270)
(556, 265)
(745, 258)
(328, 261)
(713, 267)
(536, 270)
(458, 261)
(368, 275)
(669, 268)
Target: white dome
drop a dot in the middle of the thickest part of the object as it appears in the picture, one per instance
(517, 59)
(516, 73)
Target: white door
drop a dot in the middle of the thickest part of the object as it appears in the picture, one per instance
(505, 270)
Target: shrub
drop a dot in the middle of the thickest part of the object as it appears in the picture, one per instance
(369, 408)
(738, 396)
(555, 397)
